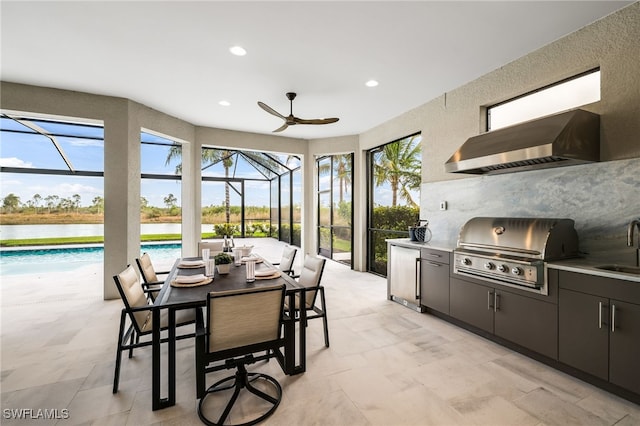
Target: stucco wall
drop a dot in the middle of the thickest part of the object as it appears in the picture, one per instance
(610, 43)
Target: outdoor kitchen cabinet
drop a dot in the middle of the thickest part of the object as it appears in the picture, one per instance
(434, 279)
(599, 327)
(526, 321)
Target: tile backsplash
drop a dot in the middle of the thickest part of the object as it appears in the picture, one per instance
(602, 198)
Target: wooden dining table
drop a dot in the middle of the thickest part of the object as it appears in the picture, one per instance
(176, 298)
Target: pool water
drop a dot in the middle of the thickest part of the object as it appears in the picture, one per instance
(27, 261)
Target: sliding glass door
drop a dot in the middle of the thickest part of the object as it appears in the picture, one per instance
(394, 176)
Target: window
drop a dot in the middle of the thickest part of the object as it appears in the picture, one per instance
(562, 96)
(258, 193)
(52, 171)
(160, 187)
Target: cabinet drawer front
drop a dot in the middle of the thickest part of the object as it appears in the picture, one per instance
(434, 284)
(583, 338)
(469, 303)
(435, 255)
(624, 350)
(528, 322)
(612, 288)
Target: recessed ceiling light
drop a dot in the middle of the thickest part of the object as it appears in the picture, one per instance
(237, 50)
(371, 83)
(224, 103)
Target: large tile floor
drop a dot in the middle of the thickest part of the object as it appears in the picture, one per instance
(387, 365)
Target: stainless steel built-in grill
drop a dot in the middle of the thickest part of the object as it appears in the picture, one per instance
(513, 251)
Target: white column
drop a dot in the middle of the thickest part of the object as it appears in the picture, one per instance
(191, 198)
(121, 193)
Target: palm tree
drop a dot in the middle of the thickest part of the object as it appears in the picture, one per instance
(210, 157)
(342, 169)
(170, 201)
(398, 163)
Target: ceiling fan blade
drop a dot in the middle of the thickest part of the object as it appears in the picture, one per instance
(281, 128)
(271, 110)
(315, 120)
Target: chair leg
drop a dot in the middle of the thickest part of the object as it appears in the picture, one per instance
(116, 374)
(200, 368)
(131, 341)
(242, 379)
(324, 317)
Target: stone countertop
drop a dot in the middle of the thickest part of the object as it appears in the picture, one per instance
(436, 245)
(580, 265)
(588, 266)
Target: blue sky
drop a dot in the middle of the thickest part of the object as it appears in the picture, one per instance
(86, 153)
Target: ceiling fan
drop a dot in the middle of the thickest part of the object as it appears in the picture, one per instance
(291, 119)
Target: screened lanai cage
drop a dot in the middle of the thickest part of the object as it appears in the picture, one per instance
(56, 168)
(258, 193)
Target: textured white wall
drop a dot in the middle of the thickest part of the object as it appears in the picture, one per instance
(449, 120)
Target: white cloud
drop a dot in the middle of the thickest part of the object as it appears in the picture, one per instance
(14, 162)
(86, 142)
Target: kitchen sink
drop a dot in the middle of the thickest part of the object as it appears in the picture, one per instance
(620, 268)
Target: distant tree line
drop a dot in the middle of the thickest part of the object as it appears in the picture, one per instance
(50, 204)
(56, 204)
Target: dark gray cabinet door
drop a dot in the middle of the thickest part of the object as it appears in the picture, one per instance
(528, 322)
(472, 303)
(624, 350)
(434, 285)
(583, 332)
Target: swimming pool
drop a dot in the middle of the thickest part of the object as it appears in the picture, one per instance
(57, 259)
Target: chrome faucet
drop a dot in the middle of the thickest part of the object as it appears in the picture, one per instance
(630, 230)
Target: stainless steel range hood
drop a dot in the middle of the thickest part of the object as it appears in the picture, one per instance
(565, 139)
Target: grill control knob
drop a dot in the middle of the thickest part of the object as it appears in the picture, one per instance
(516, 271)
(466, 261)
(489, 266)
(503, 268)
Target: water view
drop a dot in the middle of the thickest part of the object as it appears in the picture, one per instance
(58, 259)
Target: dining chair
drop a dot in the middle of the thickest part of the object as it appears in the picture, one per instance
(240, 323)
(286, 262)
(214, 247)
(310, 279)
(150, 279)
(137, 308)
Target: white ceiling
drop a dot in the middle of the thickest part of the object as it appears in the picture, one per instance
(174, 57)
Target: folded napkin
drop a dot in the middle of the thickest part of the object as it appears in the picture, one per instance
(266, 272)
(189, 279)
(191, 263)
(249, 259)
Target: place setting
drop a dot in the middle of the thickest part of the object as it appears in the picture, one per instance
(191, 264)
(191, 280)
(267, 273)
(195, 280)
